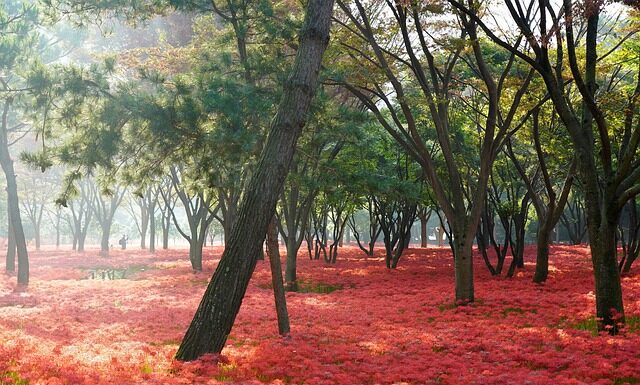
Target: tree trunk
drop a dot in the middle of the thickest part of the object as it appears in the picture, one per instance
(628, 262)
(14, 214)
(217, 311)
(195, 253)
(290, 274)
(423, 232)
(104, 239)
(11, 246)
(37, 237)
(273, 251)
(440, 235)
(542, 252)
(13, 206)
(166, 222)
(76, 238)
(463, 265)
(152, 231)
(609, 306)
(143, 234)
(81, 238)
(58, 230)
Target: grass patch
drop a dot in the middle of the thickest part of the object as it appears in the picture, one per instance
(110, 273)
(590, 325)
(633, 324)
(226, 372)
(12, 378)
(626, 380)
(317, 287)
(446, 306)
(308, 287)
(199, 281)
(511, 310)
(169, 342)
(146, 368)
(438, 349)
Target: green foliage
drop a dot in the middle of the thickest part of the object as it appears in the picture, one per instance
(632, 324)
(589, 324)
(306, 286)
(12, 378)
(81, 13)
(626, 380)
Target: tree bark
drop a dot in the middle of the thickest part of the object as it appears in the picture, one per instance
(273, 251)
(217, 311)
(58, 229)
(152, 229)
(166, 223)
(463, 262)
(195, 254)
(13, 208)
(291, 268)
(542, 252)
(11, 246)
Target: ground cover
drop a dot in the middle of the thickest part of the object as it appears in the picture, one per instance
(86, 319)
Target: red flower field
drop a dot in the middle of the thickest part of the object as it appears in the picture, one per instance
(354, 323)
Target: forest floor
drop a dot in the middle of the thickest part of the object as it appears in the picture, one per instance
(355, 322)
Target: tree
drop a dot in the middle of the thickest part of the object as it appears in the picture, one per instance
(19, 39)
(373, 228)
(104, 211)
(273, 251)
(200, 208)
(629, 233)
(217, 310)
(146, 221)
(573, 218)
(81, 214)
(549, 199)
(324, 138)
(607, 169)
(34, 203)
(56, 217)
(405, 77)
(424, 213)
(167, 205)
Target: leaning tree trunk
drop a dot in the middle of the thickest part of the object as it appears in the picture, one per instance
(273, 251)
(217, 311)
